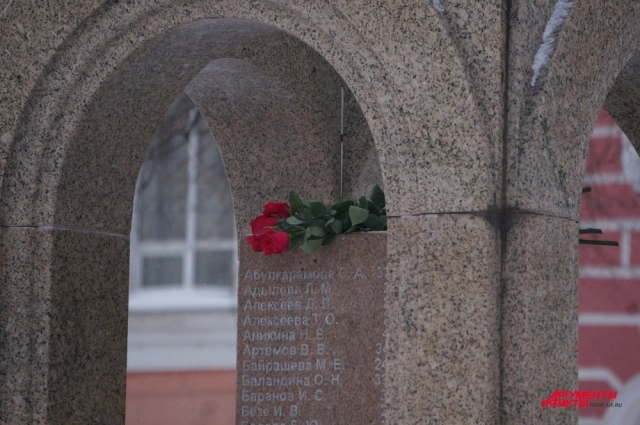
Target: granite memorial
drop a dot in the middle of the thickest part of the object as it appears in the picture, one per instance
(479, 114)
(310, 334)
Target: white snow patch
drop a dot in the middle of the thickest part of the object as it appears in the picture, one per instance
(560, 12)
(439, 6)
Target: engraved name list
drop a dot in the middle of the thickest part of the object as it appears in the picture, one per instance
(310, 335)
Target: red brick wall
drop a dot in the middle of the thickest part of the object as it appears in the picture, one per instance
(609, 331)
(181, 398)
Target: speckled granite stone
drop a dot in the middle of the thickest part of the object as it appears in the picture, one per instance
(447, 99)
(369, 176)
(53, 131)
(411, 51)
(443, 311)
(315, 87)
(24, 303)
(550, 124)
(270, 138)
(63, 350)
(622, 100)
(268, 144)
(30, 37)
(134, 100)
(540, 313)
(87, 355)
(330, 307)
(447, 88)
(118, 124)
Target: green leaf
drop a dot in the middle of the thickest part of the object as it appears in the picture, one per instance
(342, 215)
(311, 245)
(336, 226)
(376, 223)
(296, 229)
(372, 208)
(295, 203)
(328, 239)
(351, 229)
(342, 205)
(318, 222)
(357, 215)
(296, 238)
(316, 231)
(377, 197)
(363, 203)
(306, 215)
(294, 221)
(318, 209)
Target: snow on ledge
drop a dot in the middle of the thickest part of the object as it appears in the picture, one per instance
(439, 6)
(560, 12)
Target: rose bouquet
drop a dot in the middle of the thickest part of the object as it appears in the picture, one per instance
(283, 224)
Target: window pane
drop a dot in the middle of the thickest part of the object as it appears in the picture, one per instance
(215, 268)
(162, 271)
(215, 209)
(161, 193)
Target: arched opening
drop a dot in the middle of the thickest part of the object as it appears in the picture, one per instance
(235, 72)
(274, 107)
(183, 278)
(609, 286)
(76, 196)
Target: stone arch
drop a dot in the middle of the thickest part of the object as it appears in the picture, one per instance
(71, 177)
(424, 75)
(616, 92)
(555, 117)
(619, 78)
(623, 100)
(551, 123)
(140, 86)
(106, 38)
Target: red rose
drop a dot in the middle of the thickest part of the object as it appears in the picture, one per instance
(254, 241)
(261, 222)
(280, 209)
(273, 242)
(269, 241)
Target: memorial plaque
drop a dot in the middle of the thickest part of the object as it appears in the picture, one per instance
(310, 334)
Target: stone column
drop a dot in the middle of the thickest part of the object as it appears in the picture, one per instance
(539, 317)
(64, 306)
(443, 312)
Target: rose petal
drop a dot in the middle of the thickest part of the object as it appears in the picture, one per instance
(280, 209)
(255, 243)
(273, 242)
(261, 222)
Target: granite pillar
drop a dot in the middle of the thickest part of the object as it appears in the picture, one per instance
(443, 311)
(64, 309)
(539, 315)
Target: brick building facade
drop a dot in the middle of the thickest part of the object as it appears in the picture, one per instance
(609, 319)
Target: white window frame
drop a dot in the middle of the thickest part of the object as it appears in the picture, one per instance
(187, 296)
